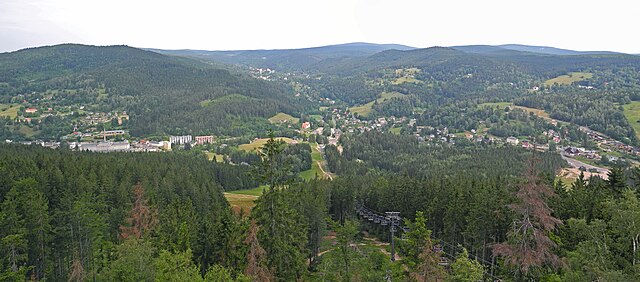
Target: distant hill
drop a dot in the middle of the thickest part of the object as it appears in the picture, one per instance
(162, 94)
(551, 50)
(287, 59)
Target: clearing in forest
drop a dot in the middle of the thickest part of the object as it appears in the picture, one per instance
(502, 105)
(282, 117)
(632, 113)
(568, 79)
(256, 144)
(365, 110)
(10, 111)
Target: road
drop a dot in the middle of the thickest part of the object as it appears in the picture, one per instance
(577, 164)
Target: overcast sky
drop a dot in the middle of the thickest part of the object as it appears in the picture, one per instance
(270, 24)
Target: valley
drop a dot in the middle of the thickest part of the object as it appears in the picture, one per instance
(239, 161)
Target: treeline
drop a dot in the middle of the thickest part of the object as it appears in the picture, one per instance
(404, 154)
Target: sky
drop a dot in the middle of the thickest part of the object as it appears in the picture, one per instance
(586, 25)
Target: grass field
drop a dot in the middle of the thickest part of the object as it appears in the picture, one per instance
(253, 146)
(241, 203)
(567, 79)
(365, 110)
(538, 112)
(27, 131)
(282, 117)
(10, 111)
(405, 79)
(251, 192)
(502, 105)
(632, 113)
(210, 156)
(316, 117)
(395, 130)
(316, 159)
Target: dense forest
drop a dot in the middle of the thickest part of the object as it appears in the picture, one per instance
(83, 216)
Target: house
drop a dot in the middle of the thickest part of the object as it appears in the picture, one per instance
(556, 139)
(201, 140)
(31, 110)
(526, 144)
(513, 141)
(571, 151)
(306, 125)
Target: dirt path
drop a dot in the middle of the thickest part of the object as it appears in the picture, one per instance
(328, 175)
(382, 246)
(321, 164)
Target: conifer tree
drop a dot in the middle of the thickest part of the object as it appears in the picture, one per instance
(256, 257)
(528, 244)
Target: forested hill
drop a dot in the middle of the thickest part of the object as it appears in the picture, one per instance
(476, 58)
(287, 59)
(162, 94)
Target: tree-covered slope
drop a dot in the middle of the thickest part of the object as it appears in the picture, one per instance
(162, 94)
(287, 59)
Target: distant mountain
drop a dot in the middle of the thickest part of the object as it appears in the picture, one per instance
(551, 50)
(162, 94)
(287, 59)
(488, 50)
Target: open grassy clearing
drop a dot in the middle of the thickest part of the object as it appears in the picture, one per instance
(632, 113)
(282, 117)
(316, 162)
(568, 79)
(316, 117)
(27, 131)
(219, 158)
(253, 146)
(365, 110)
(241, 203)
(251, 192)
(406, 79)
(10, 111)
(502, 105)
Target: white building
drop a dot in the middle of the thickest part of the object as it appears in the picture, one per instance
(104, 147)
(184, 139)
(513, 141)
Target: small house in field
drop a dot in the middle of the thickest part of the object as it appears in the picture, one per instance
(31, 110)
(306, 125)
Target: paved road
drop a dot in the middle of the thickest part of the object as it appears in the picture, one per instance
(577, 164)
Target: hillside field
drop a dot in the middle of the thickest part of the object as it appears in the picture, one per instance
(568, 79)
(253, 146)
(502, 105)
(365, 110)
(632, 113)
(282, 117)
(10, 111)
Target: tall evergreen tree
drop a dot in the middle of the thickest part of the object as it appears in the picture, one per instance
(529, 244)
